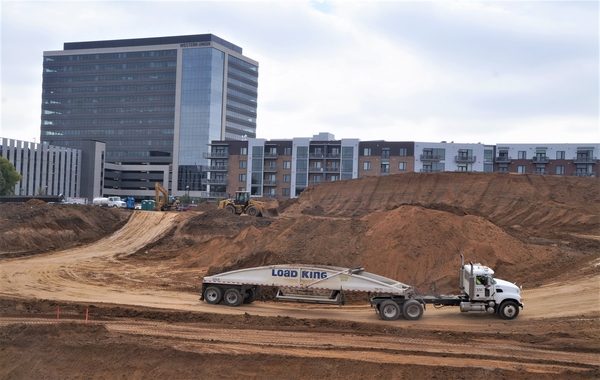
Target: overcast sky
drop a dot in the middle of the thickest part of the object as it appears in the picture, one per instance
(486, 72)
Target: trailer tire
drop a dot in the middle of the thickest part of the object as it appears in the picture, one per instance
(213, 295)
(250, 295)
(389, 310)
(508, 310)
(412, 310)
(233, 297)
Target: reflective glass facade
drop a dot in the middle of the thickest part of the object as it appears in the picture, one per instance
(124, 99)
(242, 90)
(153, 101)
(201, 112)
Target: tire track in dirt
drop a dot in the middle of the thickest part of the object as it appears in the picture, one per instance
(349, 346)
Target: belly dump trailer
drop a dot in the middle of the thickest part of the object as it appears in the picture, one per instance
(480, 291)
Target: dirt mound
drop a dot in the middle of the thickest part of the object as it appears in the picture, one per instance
(410, 243)
(529, 205)
(33, 227)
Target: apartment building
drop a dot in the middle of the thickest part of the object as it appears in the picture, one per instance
(555, 159)
(448, 157)
(284, 168)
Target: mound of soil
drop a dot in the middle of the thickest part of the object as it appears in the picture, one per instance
(410, 243)
(32, 227)
(528, 205)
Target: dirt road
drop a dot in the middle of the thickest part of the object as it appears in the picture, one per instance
(93, 274)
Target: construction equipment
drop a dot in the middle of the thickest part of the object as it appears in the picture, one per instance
(392, 299)
(163, 201)
(243, 204)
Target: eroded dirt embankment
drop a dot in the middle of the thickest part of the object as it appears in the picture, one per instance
(35, 226)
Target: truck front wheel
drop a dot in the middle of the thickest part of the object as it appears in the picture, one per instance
(508, 310)
(389, 310)
(213, 295)
(412, 310)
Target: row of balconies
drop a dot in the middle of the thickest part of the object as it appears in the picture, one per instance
(546, 159)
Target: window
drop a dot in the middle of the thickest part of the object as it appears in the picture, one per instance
(403, 152)
(522, 155)
(242, 177)
(560, 170)
(488, 154)
(385, 153)
(286, 178)
(287, 152)
(521, 169)
(385, 167)
(402, 166)
(285, 192)
(462, 168)
(367, 152)
(560, 155)
(334, 178)
(287, 164)
(243, 164)
(367, 165)
(244, 151)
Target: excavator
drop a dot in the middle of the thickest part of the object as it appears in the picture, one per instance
(243, 204)
(164, 202)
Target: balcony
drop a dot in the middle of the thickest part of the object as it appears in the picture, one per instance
(269, 183)
(430, 170)
(585, 160)
(215, 154)
(584, 174)
(431, 157)
(333, 155)
(218, 168)
(216, 181)
(465, 159)
(316, 170)
(271, 155)
(316, 155)
(540, 159)
(270, 169)
(332, 170)
(503, 159)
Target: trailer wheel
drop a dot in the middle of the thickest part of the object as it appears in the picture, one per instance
(233, 297)
(252, 211)
(508, 310)
(389, 310)
(250, 295)
(213, 295)
(412, 310)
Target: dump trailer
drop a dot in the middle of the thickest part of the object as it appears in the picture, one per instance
(391, 299)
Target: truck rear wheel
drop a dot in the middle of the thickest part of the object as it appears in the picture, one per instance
(412, 310)
(389, 310)
(508, 310)
(230, 209)
(213, 295)
(250, 295)
(233, 297)
(252, 211)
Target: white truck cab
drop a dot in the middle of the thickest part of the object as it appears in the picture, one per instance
(486, 293)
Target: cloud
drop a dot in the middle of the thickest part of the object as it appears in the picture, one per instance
(469, 71)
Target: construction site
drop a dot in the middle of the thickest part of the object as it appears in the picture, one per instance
(98, 292)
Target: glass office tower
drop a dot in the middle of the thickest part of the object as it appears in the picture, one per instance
(157, 103)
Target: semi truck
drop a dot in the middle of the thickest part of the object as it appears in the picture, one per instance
(391, 299)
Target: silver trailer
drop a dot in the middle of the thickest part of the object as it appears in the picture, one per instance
(307, 283)
(480, 291)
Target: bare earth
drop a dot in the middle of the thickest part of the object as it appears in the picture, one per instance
(145, 318)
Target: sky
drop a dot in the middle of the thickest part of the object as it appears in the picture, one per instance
(462, 71)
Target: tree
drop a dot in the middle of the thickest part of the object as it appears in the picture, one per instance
(8, 177)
